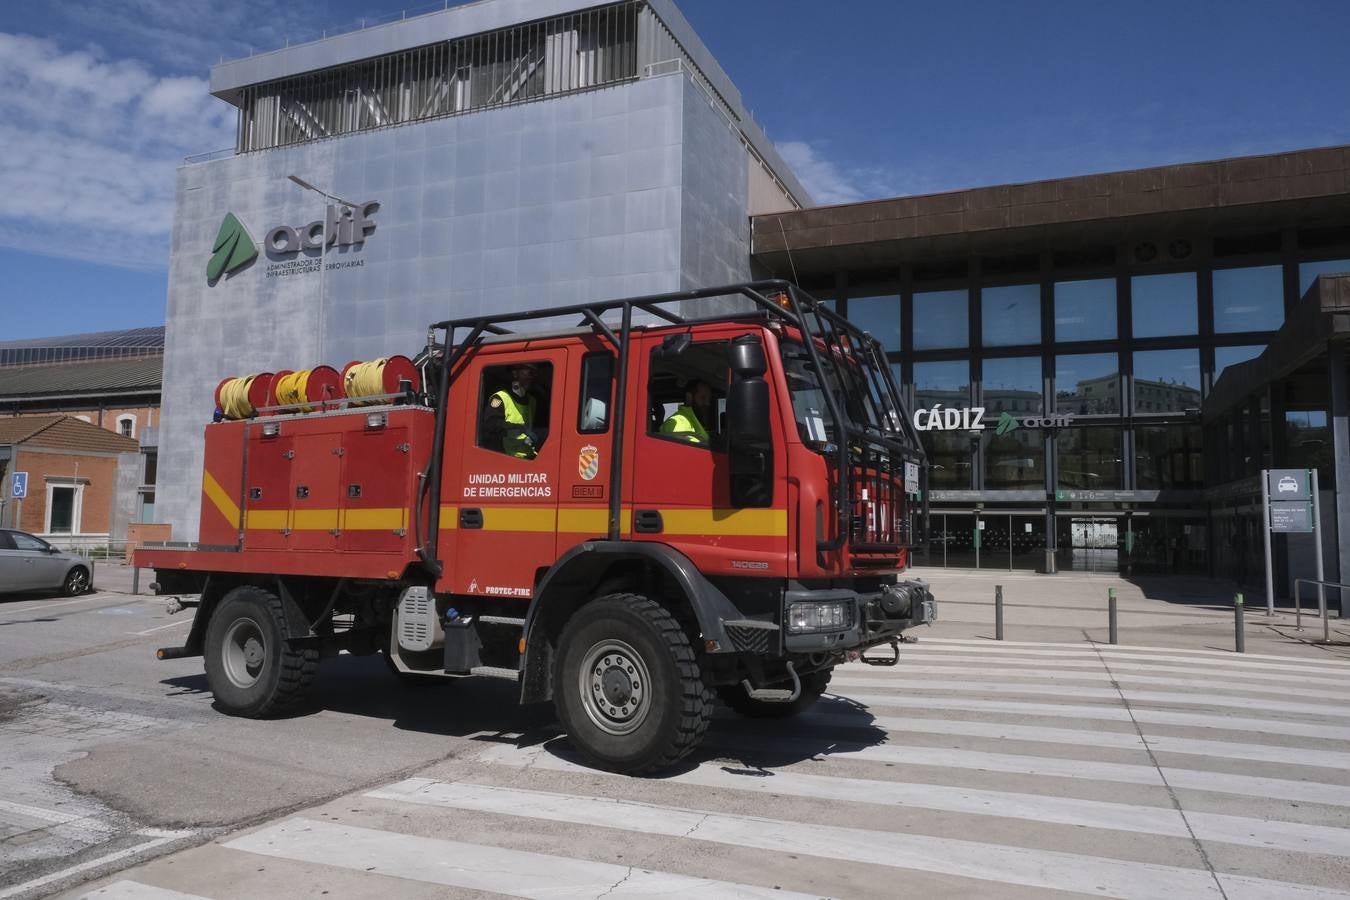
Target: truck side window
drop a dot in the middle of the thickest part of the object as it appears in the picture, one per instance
(686, 393)
(597, 392)
(513, 408)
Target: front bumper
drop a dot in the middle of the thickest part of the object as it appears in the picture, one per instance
(876, 617)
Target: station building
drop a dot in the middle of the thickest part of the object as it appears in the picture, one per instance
(1064, 343)
(1155, 337)
(495, 156)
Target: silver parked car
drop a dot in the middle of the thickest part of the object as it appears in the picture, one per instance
(28, 563)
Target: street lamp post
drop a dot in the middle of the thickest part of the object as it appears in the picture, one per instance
(324, 242)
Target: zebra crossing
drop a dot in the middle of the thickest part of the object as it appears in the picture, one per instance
(971, 769)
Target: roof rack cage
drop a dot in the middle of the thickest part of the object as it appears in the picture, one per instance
(827, 336)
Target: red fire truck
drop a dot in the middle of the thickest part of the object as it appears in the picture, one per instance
(519, 505)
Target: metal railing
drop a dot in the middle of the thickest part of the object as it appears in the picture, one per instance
(1321, 603)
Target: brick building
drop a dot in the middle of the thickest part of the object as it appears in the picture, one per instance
(109, 381)
(81, 479)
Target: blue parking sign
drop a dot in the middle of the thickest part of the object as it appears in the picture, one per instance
(19, 486)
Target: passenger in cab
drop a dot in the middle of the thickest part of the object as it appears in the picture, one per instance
(687, 422)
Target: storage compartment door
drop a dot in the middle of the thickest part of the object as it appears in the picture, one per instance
(267, 489)
(316, 472)
(377, 484)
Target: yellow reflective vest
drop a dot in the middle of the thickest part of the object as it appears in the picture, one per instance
(684, 422)
(518, 439)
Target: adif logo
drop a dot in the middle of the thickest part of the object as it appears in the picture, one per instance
(1006, 423)
(233, 249)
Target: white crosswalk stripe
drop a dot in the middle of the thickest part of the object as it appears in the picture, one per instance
(1065, 811)
(975, 774)
(474, 866)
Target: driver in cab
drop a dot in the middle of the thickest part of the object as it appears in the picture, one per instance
(509, 416)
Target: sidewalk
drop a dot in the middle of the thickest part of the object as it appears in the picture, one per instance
(1181, 612)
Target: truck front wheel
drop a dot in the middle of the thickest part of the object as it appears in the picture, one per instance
(250, 667)
(813, 685)
(628, 688)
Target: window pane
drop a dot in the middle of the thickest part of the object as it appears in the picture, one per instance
(1089, 458)
(1087, 384)
(1166, 381)
(1164, 304)
(1231, 356)
(597, 380)
(63, 511)
(1308, 272)
(947, 383)
(1085, 310)
(879, 316)
(1015, 461)
(1013, 386)
(687, 392)
(513, 408)
(1248, 299)
(1168, 457)
(949, 456)
(941, 320)
(1011, 315)
(1307, 441)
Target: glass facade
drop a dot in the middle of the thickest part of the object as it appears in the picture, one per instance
(1231, 356)
(1085, 310)
(1011, 315)
(1248, 299)
(1013, 385)
(1164, 305)
(1090, 458)
(941, 320)
(879, 316)
(1105, 464)
(1166, 381)
(1088, 384)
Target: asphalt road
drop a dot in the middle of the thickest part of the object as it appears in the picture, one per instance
(973, 769)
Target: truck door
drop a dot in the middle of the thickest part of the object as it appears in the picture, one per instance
(503, 501)
(267, 490)
(681, 488)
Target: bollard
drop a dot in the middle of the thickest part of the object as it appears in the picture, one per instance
(1111, 615)
(998, 612)
(1239, 634)
(135, 579)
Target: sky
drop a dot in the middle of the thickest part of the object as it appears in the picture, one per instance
(100, 100)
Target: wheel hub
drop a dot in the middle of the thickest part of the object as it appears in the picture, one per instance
(613, 687)
(245, 652)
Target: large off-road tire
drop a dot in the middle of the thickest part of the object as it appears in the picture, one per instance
(813, 685)
(76, 583)
(627, 685)
(250, 667)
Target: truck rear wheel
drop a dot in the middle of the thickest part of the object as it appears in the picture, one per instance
(250, 667)
(813, 685)
(628, 688)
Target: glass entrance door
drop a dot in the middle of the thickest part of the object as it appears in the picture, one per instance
(1089, 543)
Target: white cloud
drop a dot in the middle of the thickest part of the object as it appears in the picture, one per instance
(90, 148)
(830, 182)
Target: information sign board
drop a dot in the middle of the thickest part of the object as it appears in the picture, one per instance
(19, 485)
(1291, 516)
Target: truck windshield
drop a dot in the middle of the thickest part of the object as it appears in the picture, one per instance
(858, 392)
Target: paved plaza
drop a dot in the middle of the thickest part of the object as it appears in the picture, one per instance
(1047, 764)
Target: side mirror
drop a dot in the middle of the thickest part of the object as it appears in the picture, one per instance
(749, 424)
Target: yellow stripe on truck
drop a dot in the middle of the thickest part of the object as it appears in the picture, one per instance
(219, 499)
(725, 522)
(392, 519)
(267, 519)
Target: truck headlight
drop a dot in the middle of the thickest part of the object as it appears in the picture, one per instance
(832, 615)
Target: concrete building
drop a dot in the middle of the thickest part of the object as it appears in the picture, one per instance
(493, 156)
